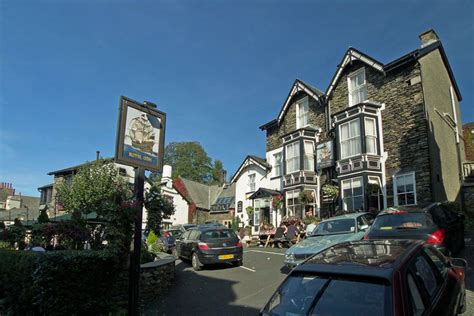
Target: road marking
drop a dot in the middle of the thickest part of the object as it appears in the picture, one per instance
(248, 269)
(268, 252)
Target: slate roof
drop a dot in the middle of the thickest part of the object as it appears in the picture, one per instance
(46, 186)
(260, 161)
(226, 196)
(204, 195)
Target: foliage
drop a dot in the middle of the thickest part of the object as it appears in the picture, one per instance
(372, 188)
(451, 206)
(15, 235)
(4, 194)
(93, 189)
(145, 255)
(2, 225)
(235, 223)
(277, 202)
(189, 160)
(43, 217)
(155, 245)
(159, 207)
(249, 211)
(331, 191)
(309, 219)
(306, 197)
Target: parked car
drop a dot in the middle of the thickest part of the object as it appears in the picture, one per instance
(183, 227)
(208, 244)
(380, 277)
(329, 232)
(434, 224)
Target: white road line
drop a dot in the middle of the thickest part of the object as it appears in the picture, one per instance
(267, 252)
(248, 269)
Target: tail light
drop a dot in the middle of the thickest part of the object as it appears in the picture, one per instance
(203, 246)
(366, 237)
(239, 244)
(437, 238)
(166, 234)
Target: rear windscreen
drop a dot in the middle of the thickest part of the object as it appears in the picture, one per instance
(217, 234)
(403, 221)
(314, 295)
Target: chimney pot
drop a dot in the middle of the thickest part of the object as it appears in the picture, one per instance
(428, 37)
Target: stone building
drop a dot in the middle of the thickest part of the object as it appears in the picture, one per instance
(385, 133)
(468, 134)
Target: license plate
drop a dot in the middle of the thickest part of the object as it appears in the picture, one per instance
(224, 257)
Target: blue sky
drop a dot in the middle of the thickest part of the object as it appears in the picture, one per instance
(219, 69)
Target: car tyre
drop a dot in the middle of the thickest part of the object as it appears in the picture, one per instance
(197, 265)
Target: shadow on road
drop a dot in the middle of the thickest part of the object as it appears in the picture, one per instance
(197, 294)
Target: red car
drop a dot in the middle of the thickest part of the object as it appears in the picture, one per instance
(380, 277)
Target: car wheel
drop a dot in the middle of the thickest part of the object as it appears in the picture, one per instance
(197, 265)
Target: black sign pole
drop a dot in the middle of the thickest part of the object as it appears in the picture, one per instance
(134, 278)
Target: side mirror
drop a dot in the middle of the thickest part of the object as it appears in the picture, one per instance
(458, 262)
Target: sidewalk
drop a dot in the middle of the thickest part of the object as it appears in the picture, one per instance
(468, 254)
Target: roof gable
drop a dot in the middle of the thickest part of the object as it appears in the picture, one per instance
(251, 160)
(351, 55)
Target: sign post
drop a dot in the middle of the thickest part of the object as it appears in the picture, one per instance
(140, 143)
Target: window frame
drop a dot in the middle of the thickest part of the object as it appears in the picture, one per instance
(344, 203)
(302, 103)
(252, 185)
(351, 77)
(395, 186)
(277, 164)
(309, 158)
(367, 136)
(349, 139)
(296, 158)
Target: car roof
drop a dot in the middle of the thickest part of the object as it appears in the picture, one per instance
(348, 215)
(371, 258)
(408, 209)
(206, 227)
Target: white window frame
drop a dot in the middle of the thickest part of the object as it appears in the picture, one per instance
(302, 117)
(251, 185)
(395, 192)
(349, 140)
(294, 196)
(308, 159)
(358, 89)
(277, 164)
(351, 180)
(292, 160)
(369, 136)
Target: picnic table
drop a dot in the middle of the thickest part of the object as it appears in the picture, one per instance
(266, 235)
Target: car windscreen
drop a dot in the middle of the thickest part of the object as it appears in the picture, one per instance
(315, 295)
(337, 226)
(175, 232)
(402, 221)
(218, 234)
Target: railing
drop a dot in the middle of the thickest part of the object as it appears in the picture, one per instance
(468, 169)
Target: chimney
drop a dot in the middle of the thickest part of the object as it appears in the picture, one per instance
(166, 177)
(97, 155)
(428, 38)
(223, 178)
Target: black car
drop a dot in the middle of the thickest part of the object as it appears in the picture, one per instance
(380, 277)
(434, 224)
(209, 244)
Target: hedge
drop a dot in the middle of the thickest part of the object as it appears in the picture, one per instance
(59, 283)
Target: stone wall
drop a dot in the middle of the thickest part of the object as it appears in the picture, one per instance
(405, 132)
(468, 200)
(317, 117)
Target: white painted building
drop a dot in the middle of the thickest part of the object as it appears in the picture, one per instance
(180, 215)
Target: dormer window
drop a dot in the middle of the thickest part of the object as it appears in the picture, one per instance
(357, 86)
(302, 113)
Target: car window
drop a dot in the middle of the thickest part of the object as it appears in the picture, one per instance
(425, 274)
(369, 218)
(217, 234)
(438, 260)
(361, 222)
(185, 235)
(337, 226)
(418, 307)
(194, 235)
(402, 220)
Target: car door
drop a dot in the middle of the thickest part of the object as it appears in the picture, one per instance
(181, 244)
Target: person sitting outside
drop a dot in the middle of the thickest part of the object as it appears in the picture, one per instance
(311, 226)
(280, 239)
(292, 233)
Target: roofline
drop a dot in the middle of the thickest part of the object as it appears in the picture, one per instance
(239, 170)
(75, 168)
(269, 124)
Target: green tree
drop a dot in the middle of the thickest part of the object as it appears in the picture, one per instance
(189, 160)
(217, 173)
(3, 194)
(158, 206)
(43, 217)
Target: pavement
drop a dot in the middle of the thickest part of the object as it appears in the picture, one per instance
(468, 254)
(222, 289)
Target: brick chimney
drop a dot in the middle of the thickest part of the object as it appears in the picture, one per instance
(428, 37)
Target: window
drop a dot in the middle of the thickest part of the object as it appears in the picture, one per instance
(415, 297)
(425, 274)
(292, 157)
(256, 212)
(239, 207)
(357, 87)
(302, 113)
(438, 260)
(404, 187)
(370, 136)
(293, 206)
(308, 155)
(352, 194)
(349, 135)
(277, 164)
(251, 182)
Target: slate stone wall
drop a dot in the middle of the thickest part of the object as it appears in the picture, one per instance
(405, 131)
(317, 117)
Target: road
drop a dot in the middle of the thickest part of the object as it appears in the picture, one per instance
(468, 254)
(224, 290)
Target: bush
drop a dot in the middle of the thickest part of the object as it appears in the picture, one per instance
(59, 283)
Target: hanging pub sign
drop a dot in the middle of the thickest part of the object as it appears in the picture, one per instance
(140, 135)
(325, 155)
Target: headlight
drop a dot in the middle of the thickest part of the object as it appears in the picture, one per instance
(290, 257)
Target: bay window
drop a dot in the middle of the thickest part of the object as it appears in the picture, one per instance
(292, 157)
(404, 187)
(370, 136)
(308, 155)
(353, 194)
(349, 138)
(302, 113)
(357, 87)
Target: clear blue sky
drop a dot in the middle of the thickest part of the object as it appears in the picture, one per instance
(219, 69)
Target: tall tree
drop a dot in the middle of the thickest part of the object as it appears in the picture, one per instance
(217, 173)
(189, 160)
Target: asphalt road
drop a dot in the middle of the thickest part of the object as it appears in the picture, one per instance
(224, 290)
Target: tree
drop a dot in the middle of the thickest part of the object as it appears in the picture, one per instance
(3, 194)
(43, 217)
(217, 171)
(189, 160)
(158, 206)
